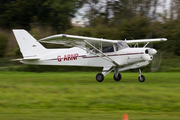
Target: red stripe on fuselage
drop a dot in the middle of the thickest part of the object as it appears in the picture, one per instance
(85, 56)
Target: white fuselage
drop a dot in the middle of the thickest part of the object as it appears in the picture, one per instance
(75, 56)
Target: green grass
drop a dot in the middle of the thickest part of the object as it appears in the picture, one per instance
(77, 95)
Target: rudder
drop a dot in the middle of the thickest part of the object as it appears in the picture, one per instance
(29, 46)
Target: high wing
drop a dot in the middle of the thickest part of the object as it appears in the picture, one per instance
(72, 40)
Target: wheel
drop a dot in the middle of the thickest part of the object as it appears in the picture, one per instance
(118, 78)
(141, 78)
(99, 77)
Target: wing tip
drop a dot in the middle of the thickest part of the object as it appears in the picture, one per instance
(163, 39)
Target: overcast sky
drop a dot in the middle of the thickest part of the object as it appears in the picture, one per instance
(81, 11)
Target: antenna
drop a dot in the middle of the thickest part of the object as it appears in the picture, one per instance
(133, 39)
(149, 35)
(130, 36)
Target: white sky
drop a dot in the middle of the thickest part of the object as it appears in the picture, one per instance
(79, 18)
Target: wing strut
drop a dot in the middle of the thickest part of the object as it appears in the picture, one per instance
(92, 52)
(108, 58)
(107, 69)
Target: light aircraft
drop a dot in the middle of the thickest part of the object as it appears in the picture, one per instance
(111, 55)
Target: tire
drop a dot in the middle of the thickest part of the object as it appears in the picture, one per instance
(118, 78)
(99, 77)
(142, 78)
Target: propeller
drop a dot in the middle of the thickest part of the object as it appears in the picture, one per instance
(157, 58)
(156, 62)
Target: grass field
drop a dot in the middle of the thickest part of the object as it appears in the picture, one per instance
(77, 95)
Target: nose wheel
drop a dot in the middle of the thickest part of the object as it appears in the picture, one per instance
(141, 77)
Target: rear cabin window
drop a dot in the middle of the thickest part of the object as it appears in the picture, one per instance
(92, 50)
(104, 50)
(107, 49)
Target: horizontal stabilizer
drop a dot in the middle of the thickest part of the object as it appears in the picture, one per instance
(19, 59)
(31, 58)
(28, 58)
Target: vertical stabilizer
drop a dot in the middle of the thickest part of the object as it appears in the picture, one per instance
(29, 46)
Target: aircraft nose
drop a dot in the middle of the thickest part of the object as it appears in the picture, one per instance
(152, 51)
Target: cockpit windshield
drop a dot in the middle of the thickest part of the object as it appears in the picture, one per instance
(121, 45)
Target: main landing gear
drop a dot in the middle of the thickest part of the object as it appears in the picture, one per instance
(100, 77)
(118, 77)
